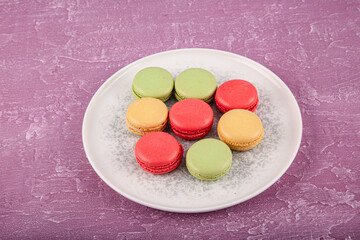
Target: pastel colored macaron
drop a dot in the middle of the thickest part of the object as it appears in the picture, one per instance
(195, 83)
(191, 118)
(158, 152)
(146, 115)
(236, 94)
(208, 159)
(153, 82)
(240, 129)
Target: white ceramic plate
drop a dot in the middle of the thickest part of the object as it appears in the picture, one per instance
(109, 145)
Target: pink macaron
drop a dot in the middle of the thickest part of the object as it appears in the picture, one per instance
(236, 94)
(158, 152)
(191, 118)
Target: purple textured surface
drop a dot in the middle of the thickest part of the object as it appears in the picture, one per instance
(55, 54)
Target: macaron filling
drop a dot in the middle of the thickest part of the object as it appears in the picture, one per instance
(190, 134)
(138, 95)
(224, 109)
(209, 177)
(142, 131)
(207, 100)
(242, 146)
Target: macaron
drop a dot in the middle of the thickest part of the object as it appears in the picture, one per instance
(195, 83)
(208, 159)
(236, 94)
(158, 152)
(240, 129)
(153, 82)
(191, 118)
(146, 115)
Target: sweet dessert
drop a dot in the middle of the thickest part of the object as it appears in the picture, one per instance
(195, 83)
(236, 94)
(158, 152)
(153, 82)
(191, 118)
(208, 159)
(146, 115)
(240, 129)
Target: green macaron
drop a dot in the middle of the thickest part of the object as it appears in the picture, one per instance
(208, 159)
(153, 82)
(195, 83)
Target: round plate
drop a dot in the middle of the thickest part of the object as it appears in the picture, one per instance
(109, 145)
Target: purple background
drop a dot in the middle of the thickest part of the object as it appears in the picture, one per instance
(54, 55)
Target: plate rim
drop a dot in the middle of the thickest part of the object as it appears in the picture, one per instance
(113, 77)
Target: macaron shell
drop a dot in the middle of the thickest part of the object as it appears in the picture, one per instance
(236, 94)
(153, 82)
(240, 129)
(146, 114)
(195, 83)
(191, 116)
(158, 152)
(208, 159)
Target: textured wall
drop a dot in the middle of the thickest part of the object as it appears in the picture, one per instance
(55, 54)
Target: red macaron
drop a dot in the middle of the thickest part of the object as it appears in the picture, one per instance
(158, 152)
(236, 94)
(191, 118)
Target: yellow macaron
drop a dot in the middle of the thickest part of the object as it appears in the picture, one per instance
(146, 115)
(240, 129)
